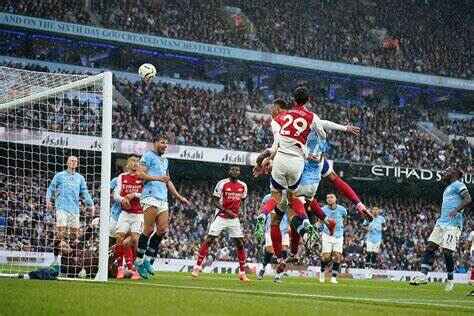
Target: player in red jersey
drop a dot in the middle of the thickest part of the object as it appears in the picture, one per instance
(130, 221)
(228, 196)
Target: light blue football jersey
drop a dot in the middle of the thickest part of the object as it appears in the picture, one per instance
(156, 166)
(66, 189)
(338, 214)
(451, 200)
(374, 234)
(116, 208)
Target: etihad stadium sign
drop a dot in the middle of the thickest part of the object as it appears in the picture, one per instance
(412, 173)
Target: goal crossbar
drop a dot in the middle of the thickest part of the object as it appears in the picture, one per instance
(52, 91)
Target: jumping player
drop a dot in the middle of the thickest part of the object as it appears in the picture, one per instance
(154, 201)
(448, 227)
(228, 196)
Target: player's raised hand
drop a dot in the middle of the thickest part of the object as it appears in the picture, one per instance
(354, 130)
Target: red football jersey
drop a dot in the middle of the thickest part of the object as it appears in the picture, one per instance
(296, 123)
(129, 183)
(231, 195)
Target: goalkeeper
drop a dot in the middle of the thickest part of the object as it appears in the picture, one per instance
(263, 231)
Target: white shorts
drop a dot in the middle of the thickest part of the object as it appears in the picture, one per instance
(308, 190)
(160, 205)
(112, 226)
(130, 222)
(231, 225)
(331, 244)
(445, 237)
(373, 247)
(286, 172)
(285, 239)
(67, 219)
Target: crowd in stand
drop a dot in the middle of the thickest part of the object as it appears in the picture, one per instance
(26, 225)
(452, 126)
(401, 35)
(197, 117)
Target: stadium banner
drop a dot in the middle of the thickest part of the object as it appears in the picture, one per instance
(83, 142)
(98, 33)
(214, 155)
(26, 258)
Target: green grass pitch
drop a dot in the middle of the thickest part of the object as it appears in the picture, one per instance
(210, 294)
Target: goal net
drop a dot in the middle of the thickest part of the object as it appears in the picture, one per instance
(44, 119)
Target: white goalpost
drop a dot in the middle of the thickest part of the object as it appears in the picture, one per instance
(44, 119)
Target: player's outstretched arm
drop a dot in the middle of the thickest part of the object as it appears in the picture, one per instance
(330, 125)
(176, 194)
(142, 173)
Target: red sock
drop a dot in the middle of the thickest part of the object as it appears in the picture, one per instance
(119, 252)
(269, 206)
(472, 273)
(275, 234)
(314, 205)
(241, 256)
(129, 257)
(297, 206)
(294, 241)
(202, 253)
(346, 190)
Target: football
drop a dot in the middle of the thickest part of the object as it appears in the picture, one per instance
(147, 71)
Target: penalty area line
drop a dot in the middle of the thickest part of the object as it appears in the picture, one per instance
(401, 302)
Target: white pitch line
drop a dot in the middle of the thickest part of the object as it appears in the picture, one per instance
(296, 295)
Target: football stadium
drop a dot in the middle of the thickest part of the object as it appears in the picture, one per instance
(236, 157)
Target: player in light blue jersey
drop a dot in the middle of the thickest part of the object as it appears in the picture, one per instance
(281, 211)
(373, 239)
(115, 210)
(66, 190)
(448, 227)
(332, 244)
(154, 200)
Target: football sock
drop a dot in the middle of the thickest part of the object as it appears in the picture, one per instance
(153, 245)
(323, 266)
(346, 190)
(267, 258)
(448, 258)
(241, 256)
(335, 268)
(202, 254)
(275, 234)
(119, 253)
(297, 206)
(316, 208)
(368, 260)
(269, 206)
(472, 274)
(129, 257)
(294, 241)
(142, 246)
(427, 261)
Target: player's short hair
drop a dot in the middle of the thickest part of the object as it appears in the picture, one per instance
(281, 103)
(130, 160)
(159, 137)
(301, 95)
(331, 193)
